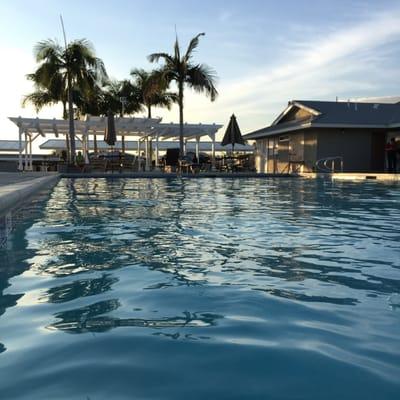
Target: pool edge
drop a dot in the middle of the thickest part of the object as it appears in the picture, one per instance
(16, 194)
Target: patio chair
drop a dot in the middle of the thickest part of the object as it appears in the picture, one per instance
(127, 163)
(98, 164)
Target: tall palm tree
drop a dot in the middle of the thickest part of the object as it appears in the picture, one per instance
(152, 90)
(64, 74)
(181, 70)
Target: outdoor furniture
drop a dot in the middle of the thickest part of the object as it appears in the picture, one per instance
(98, 164)
(120, 163)
(172, 159)
(186, 166)
(295, 166)
(113, 164)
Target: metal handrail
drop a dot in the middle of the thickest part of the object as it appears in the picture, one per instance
(325, 168)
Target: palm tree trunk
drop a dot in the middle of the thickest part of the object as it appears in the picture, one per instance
(148, 111)
(71, 156)
(180, 101)
(64, 103)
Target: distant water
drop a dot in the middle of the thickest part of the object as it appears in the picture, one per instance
(203, 289)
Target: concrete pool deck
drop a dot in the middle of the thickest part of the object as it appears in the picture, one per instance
(16, 187)
(355, 176)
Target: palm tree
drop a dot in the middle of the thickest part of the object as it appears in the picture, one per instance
(108, 98)
(117, 90)
(47, 93)
(152, 90)
(183, 71)
(65, 74)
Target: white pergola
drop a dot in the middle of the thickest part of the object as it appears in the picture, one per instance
(142, 129)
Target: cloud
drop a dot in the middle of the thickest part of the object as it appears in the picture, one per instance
(351, 60)
(14, 86)
(225, 16)
(380, 99)
(348, 62)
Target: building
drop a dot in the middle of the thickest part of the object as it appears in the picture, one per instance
(313, 136)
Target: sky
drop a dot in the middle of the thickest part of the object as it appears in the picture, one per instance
(265, 53)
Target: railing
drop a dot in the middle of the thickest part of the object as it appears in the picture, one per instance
(322, 164)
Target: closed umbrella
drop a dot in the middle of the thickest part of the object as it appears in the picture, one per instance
(110, 136)
(232, 135)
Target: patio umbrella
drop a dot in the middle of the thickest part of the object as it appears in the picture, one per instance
(232, 135)
(110, 136)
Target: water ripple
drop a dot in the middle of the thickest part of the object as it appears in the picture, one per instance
(241, 288)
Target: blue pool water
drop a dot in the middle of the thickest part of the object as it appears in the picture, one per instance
(203, 289)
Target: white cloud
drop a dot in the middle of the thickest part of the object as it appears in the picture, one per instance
(349, 62)
(225, 16)
(346, 61)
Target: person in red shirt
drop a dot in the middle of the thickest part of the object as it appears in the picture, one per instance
(391, 150)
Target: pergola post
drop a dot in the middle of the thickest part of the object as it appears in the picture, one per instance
(30, 153)
(157, 150)
(213, 151)
(85, 146)
(198, 149)
(147, 154)
(138, 154)
(95, 142)
(123, 143)
(20, 167)
(26, 151)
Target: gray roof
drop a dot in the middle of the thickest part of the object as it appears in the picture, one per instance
(11, 145)
(333, 112)
(337, 114)
(35, 157)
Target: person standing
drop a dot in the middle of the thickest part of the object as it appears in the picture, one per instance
(391, 155)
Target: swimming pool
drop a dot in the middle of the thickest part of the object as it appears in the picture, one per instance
(203, 289)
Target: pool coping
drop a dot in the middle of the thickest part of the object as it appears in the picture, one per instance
(158, 174)
(354, 176)
(14, 195)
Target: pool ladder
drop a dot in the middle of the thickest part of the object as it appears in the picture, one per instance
(323, 164)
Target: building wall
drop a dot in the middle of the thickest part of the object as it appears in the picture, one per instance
(261, 155)
(273, 154)
(310, 150)
(8, 166)
(354, 145)
(360, 149)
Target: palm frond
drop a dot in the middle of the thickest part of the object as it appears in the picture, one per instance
(177, 50)
(38, 99)
(155, 57)
(202, 79)
(47, 50)
(193, 45)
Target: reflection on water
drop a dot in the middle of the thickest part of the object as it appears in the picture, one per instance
(2, 347)
(201, 234)
(87, 319)
(79, 288)
(304, 268)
